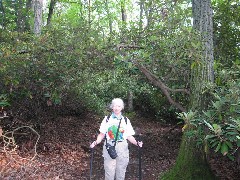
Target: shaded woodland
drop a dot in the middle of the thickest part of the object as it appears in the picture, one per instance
(175, 63)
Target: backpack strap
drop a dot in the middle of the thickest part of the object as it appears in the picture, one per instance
(108, 117)
(125, 118)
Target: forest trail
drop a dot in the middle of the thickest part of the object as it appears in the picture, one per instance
(63, 153)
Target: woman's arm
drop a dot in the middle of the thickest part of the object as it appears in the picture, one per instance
(133, 141)
(98, 140)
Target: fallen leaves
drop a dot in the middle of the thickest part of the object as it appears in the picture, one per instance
(63, 153)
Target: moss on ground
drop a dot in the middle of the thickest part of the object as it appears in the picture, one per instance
(191, 164)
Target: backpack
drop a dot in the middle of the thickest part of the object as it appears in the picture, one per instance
(123, 117)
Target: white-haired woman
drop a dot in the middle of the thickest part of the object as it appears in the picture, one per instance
(121, 132)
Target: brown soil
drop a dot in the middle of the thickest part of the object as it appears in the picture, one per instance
(63, 153)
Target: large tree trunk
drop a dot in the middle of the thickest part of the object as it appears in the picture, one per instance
(191, 162)
(202, 16)
(38, 5)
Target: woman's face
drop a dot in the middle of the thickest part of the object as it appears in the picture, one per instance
(117, 108)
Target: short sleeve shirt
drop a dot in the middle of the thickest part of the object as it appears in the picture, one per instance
(110, 128)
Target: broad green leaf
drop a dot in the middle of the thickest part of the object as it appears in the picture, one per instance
(224, 148)
(231, 133)
(209, 125)
(229, 144)
(3, 104)
(238, 142)
(208, 114)
(230, 156)
(218, 147)
(214, 144)
(210, 136)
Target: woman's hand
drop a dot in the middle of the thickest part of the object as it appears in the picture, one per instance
(99, 139)
(140, 143)
(134, 141)
(94, 143)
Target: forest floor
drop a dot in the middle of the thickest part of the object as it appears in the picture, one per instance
(62, 152)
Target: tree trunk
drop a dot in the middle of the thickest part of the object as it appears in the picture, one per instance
(50, 13)
(27, 17)
(109, 18)
(89, 13)
(38, 5)
(202, 22)
(124, 21)
(141, 4)
(2, 14)
(149, 12)
(130, 101)
(19, 15)
(191, 162)
(123, 11)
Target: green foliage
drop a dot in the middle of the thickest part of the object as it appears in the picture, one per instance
(4, 100)
(226, 31)
(47, 69)
(77, 53)
(15, 15)
(220, 123)
(222, 118)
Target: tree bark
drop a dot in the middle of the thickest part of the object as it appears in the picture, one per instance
(19, 15)
(50, 13)
(149, 12)
(3, 14)
(89, 13)
(202, 22)
(124, 20)
(27, 16)
(109, 17)
(38, 5)
(191, 159)
(123, 11)
(141, 4)
(130, 101)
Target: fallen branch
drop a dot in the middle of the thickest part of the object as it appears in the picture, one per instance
(158, 83)
(154, 79)
(10, 145)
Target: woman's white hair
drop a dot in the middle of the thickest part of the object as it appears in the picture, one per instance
(118, 101)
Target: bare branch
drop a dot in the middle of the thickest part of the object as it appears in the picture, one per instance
(128, 46)
(158, 83)
(155, 80)
(11, 146)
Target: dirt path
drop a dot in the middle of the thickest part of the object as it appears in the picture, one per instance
(63, 153)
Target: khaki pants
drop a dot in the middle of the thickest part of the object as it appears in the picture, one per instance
(116, 168)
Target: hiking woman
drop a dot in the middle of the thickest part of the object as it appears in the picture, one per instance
(119, 128)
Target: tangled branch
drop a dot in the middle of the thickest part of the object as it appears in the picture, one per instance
(10, 145)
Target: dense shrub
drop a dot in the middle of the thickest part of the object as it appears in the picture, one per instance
(219, 126)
